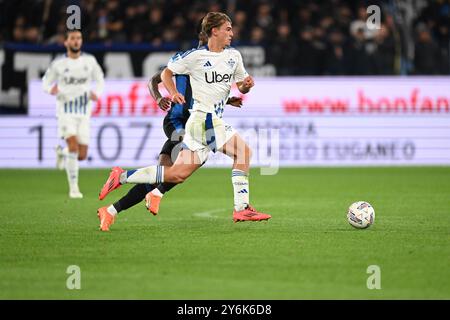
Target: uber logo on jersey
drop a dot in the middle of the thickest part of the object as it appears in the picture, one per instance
(214, 77)
(73, 80)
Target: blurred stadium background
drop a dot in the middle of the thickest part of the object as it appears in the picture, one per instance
(329, 92)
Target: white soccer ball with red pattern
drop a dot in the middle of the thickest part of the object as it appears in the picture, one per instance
(361, 215)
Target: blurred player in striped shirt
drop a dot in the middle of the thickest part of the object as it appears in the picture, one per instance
(69, 79)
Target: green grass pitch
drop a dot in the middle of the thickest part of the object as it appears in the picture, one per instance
(193, 250)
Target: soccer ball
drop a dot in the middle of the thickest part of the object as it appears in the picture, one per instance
(361, 214)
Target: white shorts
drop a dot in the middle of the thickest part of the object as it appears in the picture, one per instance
(206, 132)
(69, 126)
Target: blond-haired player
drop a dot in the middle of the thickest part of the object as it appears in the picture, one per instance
(212, 70)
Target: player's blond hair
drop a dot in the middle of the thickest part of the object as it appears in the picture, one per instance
(213, 20)
(202, 38)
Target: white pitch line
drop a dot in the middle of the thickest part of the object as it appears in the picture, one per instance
(208, 214)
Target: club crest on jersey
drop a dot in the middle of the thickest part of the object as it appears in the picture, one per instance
(231, 63)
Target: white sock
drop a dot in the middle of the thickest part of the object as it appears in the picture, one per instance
(61, 154)
(157, 193)
(72, 170)
(241, 189)
(111, 210)
(152, 175)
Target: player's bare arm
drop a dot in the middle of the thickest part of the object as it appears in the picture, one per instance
(166, 77)
(245, 85)
(54, 90)
(93, 96)
(163, 102)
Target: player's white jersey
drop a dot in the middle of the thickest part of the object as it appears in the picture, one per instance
(74, 77)
(211, 75)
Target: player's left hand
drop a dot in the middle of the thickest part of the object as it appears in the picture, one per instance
(235, 101)
(93, 96)
(248, 82)
(178, 98)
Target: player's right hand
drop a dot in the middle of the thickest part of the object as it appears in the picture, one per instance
(178, 98)
(54, 91)
(235, 101)
(248, 82)
(164, 103)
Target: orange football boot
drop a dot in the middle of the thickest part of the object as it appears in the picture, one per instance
(106, 219)
(152, 203)
(250, 214)
(112, 183)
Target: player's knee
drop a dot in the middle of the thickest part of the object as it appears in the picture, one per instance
(73, 148)
(248, 152)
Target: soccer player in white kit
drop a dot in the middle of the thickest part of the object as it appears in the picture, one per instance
(69, 79)
(212, 69)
